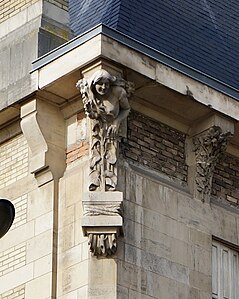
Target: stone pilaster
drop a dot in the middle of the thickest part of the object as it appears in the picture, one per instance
(43, 126)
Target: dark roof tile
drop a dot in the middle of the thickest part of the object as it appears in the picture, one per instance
(202, 34)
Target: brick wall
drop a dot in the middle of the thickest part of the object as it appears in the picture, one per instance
(9, 8)
(225, 185)
(77, 151)
(20, 205)
(12, 259)
(16, 293)
(155, 145)
(13, 160)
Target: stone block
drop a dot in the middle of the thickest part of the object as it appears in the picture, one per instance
(35, 289)
(82, 292)
(166, 225)
(102, 197)
(17, 236)
(135, 295)
(40, 201)
(200, 238)
(161, 287)
(39, 246)
(34, 11)
(101, 221)
(79, 235)
(186, 292)
(165, 267)
(71, 256)
(122, 292)
(18, 277)
(72, 277)
(43, 266)
(131, 276)
(200, 281)
(44, 223)
(67, 237)
(74, 187)
(201, 260)
(72, 295)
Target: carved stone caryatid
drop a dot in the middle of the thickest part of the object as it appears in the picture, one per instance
(208, 147)
(105, 100)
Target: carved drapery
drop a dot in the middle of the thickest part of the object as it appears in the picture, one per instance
(208, 147)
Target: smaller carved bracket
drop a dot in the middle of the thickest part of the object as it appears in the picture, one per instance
(207, 146)
(102, 221)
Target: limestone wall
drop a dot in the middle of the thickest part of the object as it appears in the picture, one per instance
(24, 36)
(166, 250)
(26, 251)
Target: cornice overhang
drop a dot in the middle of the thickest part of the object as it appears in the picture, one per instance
(141, 48)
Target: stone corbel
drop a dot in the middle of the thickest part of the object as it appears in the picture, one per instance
(43, 127)
(102, 221)
(208, 141)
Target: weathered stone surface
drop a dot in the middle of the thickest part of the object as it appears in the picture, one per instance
(105, 99)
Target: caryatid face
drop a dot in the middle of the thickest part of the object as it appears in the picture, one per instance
(102, 86)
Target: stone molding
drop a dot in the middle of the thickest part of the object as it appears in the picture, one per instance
(102, 221)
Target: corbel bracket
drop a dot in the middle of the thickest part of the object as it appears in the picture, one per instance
(43, 127)
(102, 221)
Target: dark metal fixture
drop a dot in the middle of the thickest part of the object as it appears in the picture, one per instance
(7, 214)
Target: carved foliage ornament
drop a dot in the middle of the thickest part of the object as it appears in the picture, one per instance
(102, 240)
(105, 100)
(103, 244)
(208, 147)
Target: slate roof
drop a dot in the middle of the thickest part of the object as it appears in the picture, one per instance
(203, 34)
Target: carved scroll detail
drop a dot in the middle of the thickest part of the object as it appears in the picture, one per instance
(102, 244)
(105, 100)
(208, 147)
